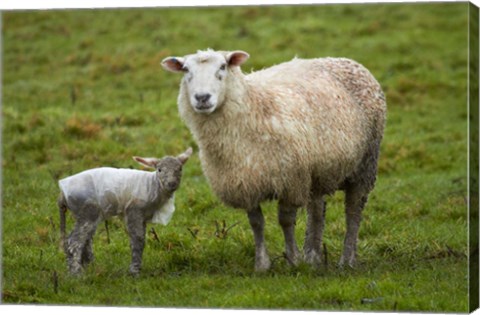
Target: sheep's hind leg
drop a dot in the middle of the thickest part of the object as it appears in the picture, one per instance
(315, 223)
(257, 222)
(355, 199)
(76, 243)
(287, 220)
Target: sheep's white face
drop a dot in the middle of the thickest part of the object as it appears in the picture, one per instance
(205, 76)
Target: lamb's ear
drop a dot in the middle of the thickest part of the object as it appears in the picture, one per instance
(148, 162)
(183, 158)
(237, 57)
(173, 64)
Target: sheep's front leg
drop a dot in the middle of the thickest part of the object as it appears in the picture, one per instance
(315, 223)
(287, 219)
(136, 227)
(257, 222)
(355, 200)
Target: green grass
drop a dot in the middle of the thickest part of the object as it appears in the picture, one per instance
(84, 88)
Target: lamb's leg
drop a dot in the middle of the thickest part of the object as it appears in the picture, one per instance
(76, 243)
(136, 227)
(87, 253)
(62, 207)
(315, 223)
(355, 199)
(287, 219)
(257, 222)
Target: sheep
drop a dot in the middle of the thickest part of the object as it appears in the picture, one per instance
(100, 193)
(294, 132)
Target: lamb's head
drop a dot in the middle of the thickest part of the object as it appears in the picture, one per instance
(168, 169)
(205, 76)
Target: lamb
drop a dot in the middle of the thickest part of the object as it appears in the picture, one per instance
(294, 132)
(98, 194)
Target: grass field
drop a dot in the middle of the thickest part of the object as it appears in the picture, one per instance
(84, 88)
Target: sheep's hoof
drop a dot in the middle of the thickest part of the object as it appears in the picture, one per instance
(262, 265)
(313, 258)
(293, 259)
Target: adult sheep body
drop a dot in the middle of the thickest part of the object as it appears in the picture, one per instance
(294, 132)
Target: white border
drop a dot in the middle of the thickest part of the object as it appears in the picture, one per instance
(79, 4)
(82, 310)
(73, 4)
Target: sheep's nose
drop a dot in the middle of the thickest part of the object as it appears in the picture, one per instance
(202, 98)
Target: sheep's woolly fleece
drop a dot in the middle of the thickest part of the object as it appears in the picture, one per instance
(287, 129)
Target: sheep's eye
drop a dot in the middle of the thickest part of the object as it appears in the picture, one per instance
(222, 67)
(185, 69)
(159, 170)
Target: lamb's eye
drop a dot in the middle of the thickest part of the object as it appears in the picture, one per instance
(185, 69)
(159, 170)
(222, 67)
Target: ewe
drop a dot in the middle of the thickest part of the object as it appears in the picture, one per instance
(294, 132)
(139, 196)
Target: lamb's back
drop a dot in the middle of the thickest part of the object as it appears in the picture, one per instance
(106, 188)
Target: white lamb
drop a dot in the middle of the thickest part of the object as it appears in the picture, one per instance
(293, 132)
(98, 194)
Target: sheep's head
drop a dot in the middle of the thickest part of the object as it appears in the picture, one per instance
(205, 76)
(168, 169)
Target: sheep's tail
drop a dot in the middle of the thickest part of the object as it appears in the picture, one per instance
(62, 207)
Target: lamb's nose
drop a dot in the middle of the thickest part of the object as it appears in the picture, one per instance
(202, 98)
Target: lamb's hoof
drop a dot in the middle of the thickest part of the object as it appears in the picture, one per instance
(76, 272)
(346, 263)
(75, 269)
(87, 260)
(134, 272)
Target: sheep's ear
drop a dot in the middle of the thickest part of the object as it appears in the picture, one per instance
(236, 58)
(183, 158)
(173, 64)
(148, 162)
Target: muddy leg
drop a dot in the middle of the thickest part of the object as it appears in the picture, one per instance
(287, 220)
(257, 222)
(76, 244)
(136, 230)
(315, 223)
(87, 254)
(355, 200)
